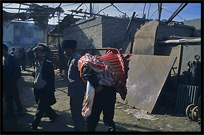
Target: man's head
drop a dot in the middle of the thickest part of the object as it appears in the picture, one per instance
(69, 47)
(5, 50)
(38, 52)
(13, 49)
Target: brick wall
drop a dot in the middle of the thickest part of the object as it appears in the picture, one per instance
(88, 33)
(114, 30)
(110, 31)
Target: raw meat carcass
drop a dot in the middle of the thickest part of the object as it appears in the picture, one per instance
(111, 69)
(90, 93)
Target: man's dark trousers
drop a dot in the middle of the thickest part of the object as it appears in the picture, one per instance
(76, 107)
(44, 106)
(103, 101)
(12, 95)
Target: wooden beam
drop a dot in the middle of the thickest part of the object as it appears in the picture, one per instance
(160, 9)
(197, 40)
(128, 27)
(178, 10)
(16, 8)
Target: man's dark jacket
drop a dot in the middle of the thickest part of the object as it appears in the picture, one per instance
(11, 74)
(47, 93)
(11, 71)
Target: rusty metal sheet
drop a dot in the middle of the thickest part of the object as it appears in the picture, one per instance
(145, 37)
(146, 77)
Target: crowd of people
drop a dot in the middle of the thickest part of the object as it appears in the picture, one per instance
(44, 86)
(24, 57)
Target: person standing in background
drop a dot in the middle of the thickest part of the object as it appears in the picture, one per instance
(11, 74)
(13, 52)
(30, 56)
(44, 87)
(76, 86)
(22, 57)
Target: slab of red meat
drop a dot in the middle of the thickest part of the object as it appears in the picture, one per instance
(111, 68)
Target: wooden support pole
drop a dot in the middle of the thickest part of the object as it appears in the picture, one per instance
(91, 10)
(159, 9)
(177, 41)
(128, 27)
(178, 10)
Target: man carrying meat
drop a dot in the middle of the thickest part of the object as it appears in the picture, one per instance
(76, 86)
(104, 100)
(105, 75)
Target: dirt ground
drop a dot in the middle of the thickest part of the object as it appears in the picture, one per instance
(127, 119)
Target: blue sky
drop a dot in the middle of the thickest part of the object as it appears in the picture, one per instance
(191, 11)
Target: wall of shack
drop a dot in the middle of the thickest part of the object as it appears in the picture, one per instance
(19, 34)
(106, 31)
(88, 33)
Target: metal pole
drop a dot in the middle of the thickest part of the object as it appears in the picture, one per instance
(148, 11)
(84, 13)
(58, 28)
(19, 9)
(90, 9)
(60, 52)
(47, 32)
(178, 10)
(143, 11)
(128, 27)
(160, 10)
(180, 62)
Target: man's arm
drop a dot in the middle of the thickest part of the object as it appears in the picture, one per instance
(90, 75)
(50, 76)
